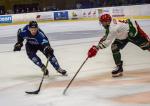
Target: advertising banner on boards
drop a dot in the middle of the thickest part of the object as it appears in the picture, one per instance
(6, 19)
(61, 15)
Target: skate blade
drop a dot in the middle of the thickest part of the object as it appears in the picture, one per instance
(65, 74)
(117, 75)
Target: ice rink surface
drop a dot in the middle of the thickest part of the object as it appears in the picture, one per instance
(93, 86)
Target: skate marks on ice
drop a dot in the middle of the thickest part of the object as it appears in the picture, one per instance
(109, 88)
(139, 98)
(135, 80)
(131, 80)
(129, 77)
(30, 80)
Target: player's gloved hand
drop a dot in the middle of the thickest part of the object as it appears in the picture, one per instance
(93, 51)
(18, 46)
(48, 51)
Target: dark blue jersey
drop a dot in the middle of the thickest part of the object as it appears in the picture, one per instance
(39, 39)
(38, 42)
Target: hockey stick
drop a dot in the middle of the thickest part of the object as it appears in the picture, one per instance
(38, 90)
(65, 90)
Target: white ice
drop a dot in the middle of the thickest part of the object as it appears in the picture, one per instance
(18, 73)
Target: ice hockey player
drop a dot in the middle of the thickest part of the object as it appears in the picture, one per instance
(37, 40)
(120, 34)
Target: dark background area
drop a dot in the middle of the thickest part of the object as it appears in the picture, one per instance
(26, 6)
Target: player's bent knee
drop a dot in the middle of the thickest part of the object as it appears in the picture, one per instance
(114, 48)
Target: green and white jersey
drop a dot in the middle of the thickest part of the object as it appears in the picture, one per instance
(120, 30)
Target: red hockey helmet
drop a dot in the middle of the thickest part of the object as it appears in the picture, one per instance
(105, 18)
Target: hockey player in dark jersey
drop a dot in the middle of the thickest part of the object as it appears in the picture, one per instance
(37, 40)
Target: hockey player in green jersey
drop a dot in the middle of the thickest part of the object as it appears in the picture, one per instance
(118, 35)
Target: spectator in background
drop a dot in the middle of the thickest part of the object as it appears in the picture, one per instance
(22, 11)
(81, 4)
(1, 12)
(78, 5)
(44, 9)
(53, 8)
(17, 11)
(27, 10)
(33, 10)
(38, 9)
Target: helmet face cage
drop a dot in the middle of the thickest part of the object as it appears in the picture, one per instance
(33, 24)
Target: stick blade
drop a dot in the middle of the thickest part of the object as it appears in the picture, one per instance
(64, 93)
(34, 92)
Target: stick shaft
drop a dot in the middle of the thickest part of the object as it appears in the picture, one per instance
(75, 76)
(43, 73)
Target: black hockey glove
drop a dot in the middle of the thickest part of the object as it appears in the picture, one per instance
(18, 46)
(48, 51)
